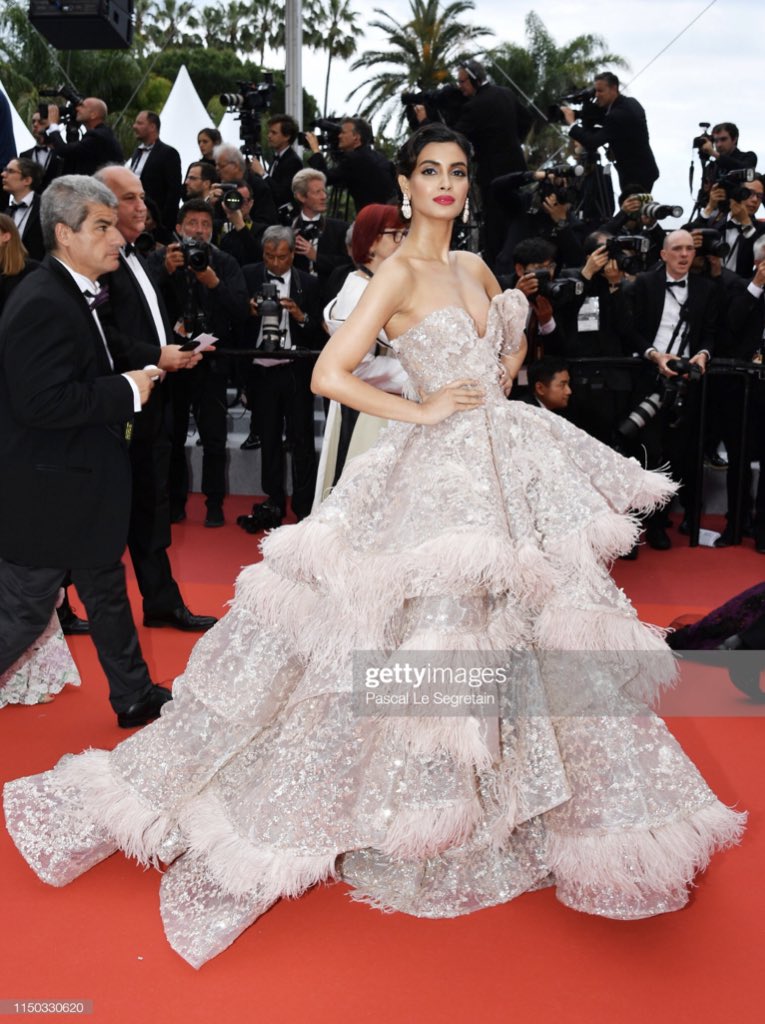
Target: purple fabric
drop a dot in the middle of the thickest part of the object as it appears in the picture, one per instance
(735, 616)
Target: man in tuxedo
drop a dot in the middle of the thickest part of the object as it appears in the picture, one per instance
(97, 147)
(19, 178)
(365, 172)
(723, 146)
(63, 451)
(280, 390)
(139, 332)
(243, 239)
(282, 133)
(199, 181)
(51, 165)
(669, 313)
(319, 240)
(622, 127)
(735, 220)
(159, 168)
(545, 335)
(232, 169)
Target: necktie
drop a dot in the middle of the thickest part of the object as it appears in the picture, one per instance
(137, 157)
(676, 284)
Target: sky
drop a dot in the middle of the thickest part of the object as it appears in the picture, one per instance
(711, 73)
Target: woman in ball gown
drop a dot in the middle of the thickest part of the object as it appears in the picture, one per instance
(42, 671)
(377, 232)
(477, 531)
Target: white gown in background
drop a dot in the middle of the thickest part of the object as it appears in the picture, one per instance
(490, 531)
(43, 670)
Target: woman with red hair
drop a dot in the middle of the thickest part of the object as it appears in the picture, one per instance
(376, 233)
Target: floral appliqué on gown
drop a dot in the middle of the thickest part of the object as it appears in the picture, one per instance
(492, 530)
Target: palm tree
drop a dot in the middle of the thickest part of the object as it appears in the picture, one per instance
(423, 50)
(170, 16)
(545, 71)
(333, 28)
(267, 24)
(226, 25)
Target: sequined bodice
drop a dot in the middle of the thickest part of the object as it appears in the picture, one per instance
(446, 346)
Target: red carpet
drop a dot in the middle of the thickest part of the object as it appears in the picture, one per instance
(324, 959)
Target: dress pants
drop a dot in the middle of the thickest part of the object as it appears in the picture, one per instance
(149, 534)
(283, 406)
(27, 599)
(202, 389)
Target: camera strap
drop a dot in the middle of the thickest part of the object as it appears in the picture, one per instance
(681, 325)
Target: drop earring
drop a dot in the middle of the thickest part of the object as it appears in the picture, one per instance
(466, 211)
(406, 207)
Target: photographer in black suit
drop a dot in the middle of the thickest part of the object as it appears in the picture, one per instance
(97, 147)
(43, 154)
(735, 219)
(20, 178)
(159, 168)
(319, 239)
(63, 452)
(139, 332)
(281, 135)
(722, 146)
(366, 173)
(279, 391)
(671, 313)
(620, 125)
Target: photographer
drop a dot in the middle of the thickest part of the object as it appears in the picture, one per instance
(722, 145)
(618, 123)
(534, 261)
(243, 239)
(671, 314)
(282, 133)
(42, 153)
(319, 240)
(98, 146)
(232, 170)
(542, 210)
(637, 216)
(204, 291)
(367, 174)
(731, 209)
(279, 391)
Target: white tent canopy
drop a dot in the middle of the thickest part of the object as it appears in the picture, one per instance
(22, 135)
(229, 128)
(183, 117)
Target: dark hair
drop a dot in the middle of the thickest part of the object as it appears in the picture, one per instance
(289, 125)
(729, 127)
(362, 128)
(608, 77)
(594, 241)
(194, 206)
(406, 158)
(12, 254)
(244, 184)
(208, 171)
(533, 250)
(631, 190)
(153, 119)
(30, 169)
(212, 134)
(370, 222)
(156, 216)
(543, 371)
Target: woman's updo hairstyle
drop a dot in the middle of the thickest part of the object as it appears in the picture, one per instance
(406, 158)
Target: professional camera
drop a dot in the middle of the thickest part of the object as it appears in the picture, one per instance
(196, 255)
(582, 98)
(329, 132)
(671, 394)
(559, 291)
(732, 183)
(310, 232)
(441, 104)
(270, 311)
(659, 211)
(251, 102)
(287, 213)
(67, 114)
(712, 243)
(629, 251)
(232, 197)
(702, 139)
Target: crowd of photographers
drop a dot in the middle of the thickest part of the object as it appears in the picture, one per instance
(625, 314)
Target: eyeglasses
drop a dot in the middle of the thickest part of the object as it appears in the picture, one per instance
(721, 138)
(399, 234)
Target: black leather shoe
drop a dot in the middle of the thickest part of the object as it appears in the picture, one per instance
(214, 516)
(251, 442)
(725, 540)
(71, 624)
(181, 618)
(658, 538)
(262, 517)
(684, 528)
(715, 461)
(177, 515)
(144, 710)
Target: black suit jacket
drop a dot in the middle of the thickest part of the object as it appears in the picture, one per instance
(331, 251)
(644, 304)
(744, 246)
(744, 320)
(280, 176)
(98, 146)
(161, 180)
(492, 121)
(304, 290)
(366, 173)
(53, 168)
(31, 233)
(625, 131)
(62, 440)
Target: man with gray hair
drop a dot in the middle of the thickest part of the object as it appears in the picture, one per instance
(64, 420)
(232, 170)
(279, 391)
(319, 239)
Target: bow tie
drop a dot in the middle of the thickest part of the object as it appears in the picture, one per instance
(734, 226)
(19, 206)
(94, 301)
(676, 284)
(129, 250)
(274, 277)
(303, 223)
